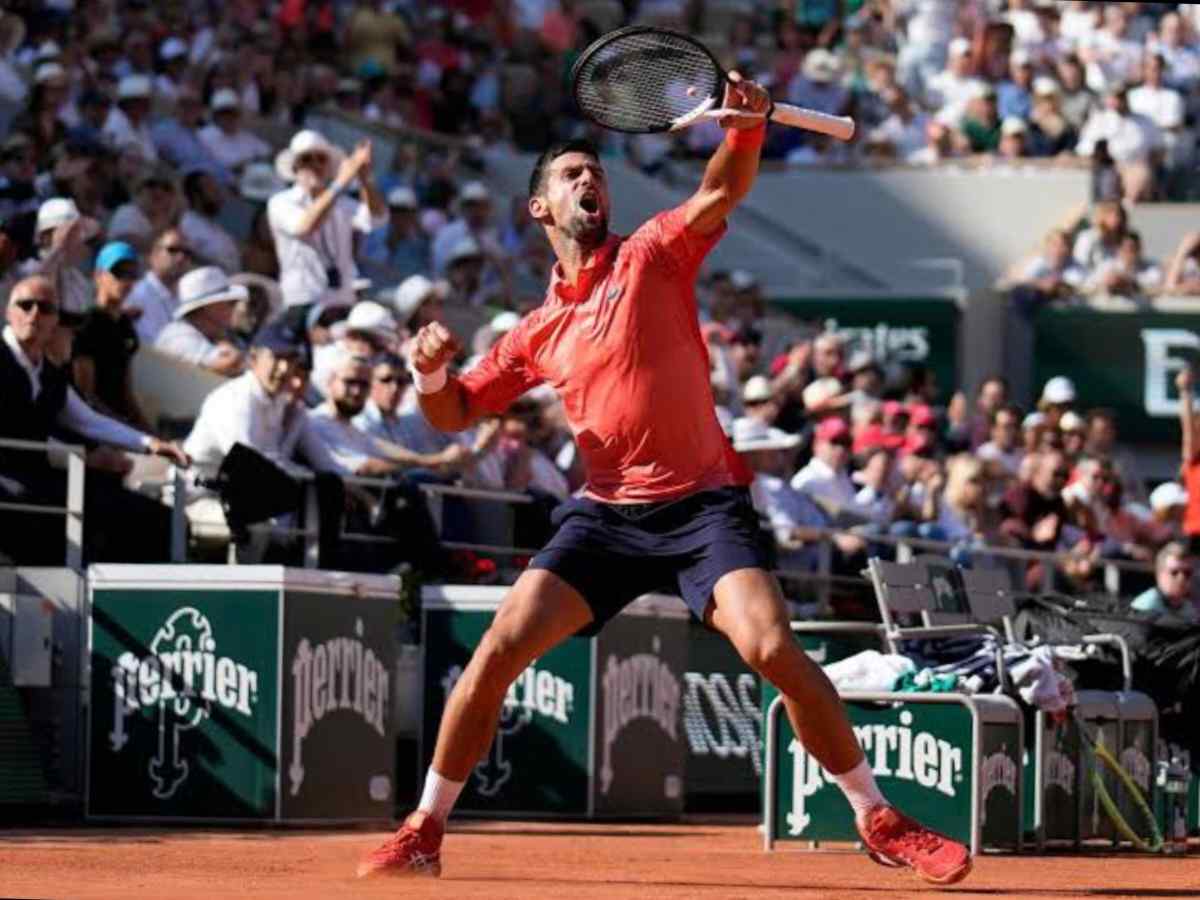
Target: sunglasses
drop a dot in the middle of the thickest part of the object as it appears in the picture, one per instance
(178, 250)
(45, 307)
(310, 159)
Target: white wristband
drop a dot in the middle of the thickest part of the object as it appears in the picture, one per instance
(429, 383)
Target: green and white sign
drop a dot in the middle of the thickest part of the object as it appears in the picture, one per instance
(183, 703)
(209, 683)
(921, 330)
(927, 762)
(593, 727)
(1126, 361)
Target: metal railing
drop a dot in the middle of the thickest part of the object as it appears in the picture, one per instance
(72, 513)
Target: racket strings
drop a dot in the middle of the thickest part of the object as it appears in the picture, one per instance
(644, 81)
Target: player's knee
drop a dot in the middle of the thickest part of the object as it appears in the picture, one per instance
(499, 659)
(768, 654)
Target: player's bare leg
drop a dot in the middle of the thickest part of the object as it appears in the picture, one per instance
(538, 613)
(748, 608)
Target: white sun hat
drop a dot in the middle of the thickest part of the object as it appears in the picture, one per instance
(1059, 390)
(61, 211)
(750, 434)
(369, 316)
(306, 141)
(207, 286)
(134, 87)
(410, 295)
(224, 99)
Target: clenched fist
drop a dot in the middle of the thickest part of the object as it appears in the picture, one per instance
(433, 347)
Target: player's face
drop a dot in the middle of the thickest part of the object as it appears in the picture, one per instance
(576, 198)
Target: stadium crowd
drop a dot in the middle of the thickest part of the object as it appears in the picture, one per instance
(129, 129)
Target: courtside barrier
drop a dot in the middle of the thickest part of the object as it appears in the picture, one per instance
(72, 513)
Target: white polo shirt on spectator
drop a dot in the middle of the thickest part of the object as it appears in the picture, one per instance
(784, 508)
(410, 430)
(1162, 105)
(1131, 138)
(1148, 276)
(183, 340)
(241, 412)
(157, 303)
(303, 260)
(825, 486)
(210, 242)
(233, 150)
(349, 446)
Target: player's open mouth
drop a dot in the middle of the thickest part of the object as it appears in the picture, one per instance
(590, 203)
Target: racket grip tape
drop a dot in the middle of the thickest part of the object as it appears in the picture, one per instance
(840, 127)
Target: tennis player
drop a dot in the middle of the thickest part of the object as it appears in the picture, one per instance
(618, 338)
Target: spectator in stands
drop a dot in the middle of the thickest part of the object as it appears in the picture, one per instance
(39, 400)
(211, 243)
(903, 134)
(942, 142)
(1102, 241)
(358, 452)
(313, 224)
(18, 169)
(474, 221)
(964, 517)
(953, 88)
(374, 34)
(173, 60)
(400, 245)
(417, 302)
(789, 514)
(818, 84)
(1183, 276)
(1073, 429)
(199, 332)
(513, 463)
(758, 400)
(1050, 131)
(1170, 601)
(465, 267)
(61, 235)
(1129, 274)
(974, 427)
(1109, 52)
(1168, 504)
(1058, 396)
(1014, 97)
(826, 480)
(106, 340)
(155, 206)
(1078, 102)
(1133, 142)
(1034, 513)
(128, 123)
(1163, 106)
(1180, 55)
(153, 301)
(1003, 449)
(1014, 134)
(177, 137)
(229, 142)
(981, 124)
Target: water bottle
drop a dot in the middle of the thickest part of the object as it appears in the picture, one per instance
(1173, 779)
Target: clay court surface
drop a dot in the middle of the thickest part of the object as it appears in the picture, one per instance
(568, 861)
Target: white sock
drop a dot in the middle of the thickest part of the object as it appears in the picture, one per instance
(439, 796)
(860, 789)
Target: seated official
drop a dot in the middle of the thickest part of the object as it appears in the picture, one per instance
(1170, 601)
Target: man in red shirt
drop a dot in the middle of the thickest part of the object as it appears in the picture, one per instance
(618, 338)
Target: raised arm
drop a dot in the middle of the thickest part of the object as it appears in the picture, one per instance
(350, 168)
(443, 399)
(733, 167)
(1187, 448)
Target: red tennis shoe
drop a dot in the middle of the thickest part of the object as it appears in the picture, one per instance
(415, 849)
(894, 839)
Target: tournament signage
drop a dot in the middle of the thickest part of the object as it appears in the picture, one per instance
(337, 707)
(183, 703)
(1126, 361)
(923, 757)
(892, 329)
(264, 695)
(592, 727)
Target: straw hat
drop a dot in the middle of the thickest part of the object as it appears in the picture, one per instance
(306, 141)
(207, 286)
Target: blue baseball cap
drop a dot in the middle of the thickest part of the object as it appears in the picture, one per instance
(277, 337)
(113, 253)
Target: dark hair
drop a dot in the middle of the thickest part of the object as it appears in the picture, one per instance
(191, 184)
(559, 148)
(1011, 409)
(993, 379)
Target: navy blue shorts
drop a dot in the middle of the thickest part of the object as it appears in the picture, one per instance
(612, 554)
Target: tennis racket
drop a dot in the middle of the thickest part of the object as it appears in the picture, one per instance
(1143, 832)
(643, 80)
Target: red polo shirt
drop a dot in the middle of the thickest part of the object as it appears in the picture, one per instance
(622, 348)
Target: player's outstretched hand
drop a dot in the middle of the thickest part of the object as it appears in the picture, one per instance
(433, 347)
(749, 96)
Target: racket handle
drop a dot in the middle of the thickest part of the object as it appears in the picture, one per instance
(840, 127)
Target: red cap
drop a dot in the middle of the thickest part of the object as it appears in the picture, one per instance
(893, 408)
(778, 364)
(832, 429)
(921, 415)
(918, 445)
(868, 438)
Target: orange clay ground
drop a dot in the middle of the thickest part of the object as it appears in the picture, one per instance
(567, 861)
